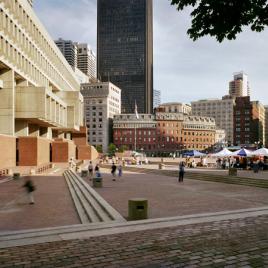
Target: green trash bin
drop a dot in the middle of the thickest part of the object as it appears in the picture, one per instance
(16, 176)
(137, 209)
(84, 173)
(232, 172)
(97, 182)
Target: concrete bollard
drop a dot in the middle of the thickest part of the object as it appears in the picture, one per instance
(137, 209)
(97, 182)
(84, 173)
(16, 176)
(161, 166)
(232, 172)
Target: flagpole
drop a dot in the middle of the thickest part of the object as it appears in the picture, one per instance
(135, 138)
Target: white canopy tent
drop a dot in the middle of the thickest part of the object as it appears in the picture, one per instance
(260, 152)
(223, 153)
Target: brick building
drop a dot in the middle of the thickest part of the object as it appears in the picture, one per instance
(136, 134)
(249, 122)
(164, 132)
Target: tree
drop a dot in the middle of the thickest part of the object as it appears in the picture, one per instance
(99, 148)
(123, 148)
(111, 149)
(224, 19)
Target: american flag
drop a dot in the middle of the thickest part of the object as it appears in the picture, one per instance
(136, 110)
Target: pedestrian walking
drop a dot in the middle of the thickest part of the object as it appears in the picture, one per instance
(113, 170)
(90, 170)
(181, 171)
(120, 171)
(97, 168)
(30, 188)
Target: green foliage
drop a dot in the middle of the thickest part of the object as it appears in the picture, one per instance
(99, 148)
(111, 149)
(224, 19)
(123, 148)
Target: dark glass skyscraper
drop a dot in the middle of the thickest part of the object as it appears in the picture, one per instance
(125, 50)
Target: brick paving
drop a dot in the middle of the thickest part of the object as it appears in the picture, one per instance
(167, 197)
(53, 204)
(227, 243)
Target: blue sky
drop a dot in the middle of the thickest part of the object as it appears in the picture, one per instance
(183, 70)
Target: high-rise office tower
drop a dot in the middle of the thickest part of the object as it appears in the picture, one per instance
(69, 50)
(239, 87)
(125, 50)
(86, 60)
(30, 2)
(157, 98)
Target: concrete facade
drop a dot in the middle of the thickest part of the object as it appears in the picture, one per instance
(102, 102)
(8, 146)
(39, 92)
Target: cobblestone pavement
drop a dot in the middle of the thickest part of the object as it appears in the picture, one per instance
(166, 197)
(227, 243)
(53, 204)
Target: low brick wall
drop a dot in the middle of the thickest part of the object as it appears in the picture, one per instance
(33, 151)
(8, 152)
(62, 150)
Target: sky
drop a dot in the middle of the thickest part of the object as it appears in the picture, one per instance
(184, 70)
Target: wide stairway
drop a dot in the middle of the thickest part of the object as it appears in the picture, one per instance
(90, 206)
(262, 183)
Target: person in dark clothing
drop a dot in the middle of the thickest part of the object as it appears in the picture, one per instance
(181, 171)
(113, 170)
(90, 170)
(30, 188)
(97, 168)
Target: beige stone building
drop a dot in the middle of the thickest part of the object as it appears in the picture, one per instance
(221, 110)
(175, 107)
(39, 92)
(102, 103)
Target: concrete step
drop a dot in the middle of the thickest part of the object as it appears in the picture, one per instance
(37, 236)
(79, 207)
(91, 207)
(87, 207)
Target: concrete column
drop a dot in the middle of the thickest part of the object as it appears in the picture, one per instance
(7, 103)
(21, 128)
(22, 83)
(34, 130)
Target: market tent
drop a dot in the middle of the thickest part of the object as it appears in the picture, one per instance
(260, 152)
(223, 153)
(242, 152)
(194, 153)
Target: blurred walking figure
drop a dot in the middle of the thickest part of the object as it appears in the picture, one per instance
(181, 171)
(120, 171)
(90, 169)
(30, 188)
(113, 170)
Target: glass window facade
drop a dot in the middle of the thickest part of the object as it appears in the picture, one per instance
(125, 50)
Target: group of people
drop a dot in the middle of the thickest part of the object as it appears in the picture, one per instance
(113, 170)
(96, 170)
(91, 169)
(241, 163)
